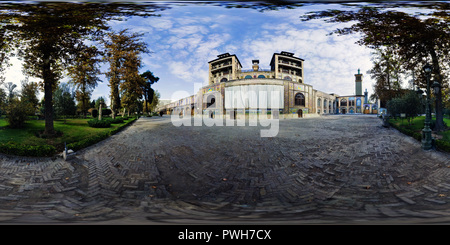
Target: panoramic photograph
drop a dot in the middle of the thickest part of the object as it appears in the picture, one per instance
(224, 113)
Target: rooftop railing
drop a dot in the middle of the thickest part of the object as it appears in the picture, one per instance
(251, 70)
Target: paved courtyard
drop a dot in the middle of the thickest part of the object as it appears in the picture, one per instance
(327, 170)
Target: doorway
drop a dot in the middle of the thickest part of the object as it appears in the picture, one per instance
(300, 113)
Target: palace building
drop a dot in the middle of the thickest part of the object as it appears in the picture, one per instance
(232, 91)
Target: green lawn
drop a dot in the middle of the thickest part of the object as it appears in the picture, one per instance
(417, 125)
(71, 131)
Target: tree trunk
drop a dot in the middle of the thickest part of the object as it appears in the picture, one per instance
(145, 101)
(439, 126)
(100, 114)
(48, 95)
(83, 102)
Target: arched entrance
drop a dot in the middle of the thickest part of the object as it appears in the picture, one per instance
(300, 113)
(211, 101)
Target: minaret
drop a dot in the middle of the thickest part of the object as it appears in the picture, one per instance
(366, 97)
(358, 83)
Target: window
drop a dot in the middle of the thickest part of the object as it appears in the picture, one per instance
(351, 102)
(211, 101)
(248, 77)
(300, 99)
(288, 78)
(261, 76)
(343, 102)
(223, 80)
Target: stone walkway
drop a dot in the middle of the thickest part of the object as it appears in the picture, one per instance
(327, 170)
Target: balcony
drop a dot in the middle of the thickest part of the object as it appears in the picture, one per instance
(290, 63)
(220, 65)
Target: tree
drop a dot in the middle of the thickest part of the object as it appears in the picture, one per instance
(132, 86)
(415, 39)
(64, 101)
(386, 73)
(16, 113)
(154, 101)
(29, 96)
(49, 35)
(149, 79)
(2, 100)
(122, 53)
(100, 100)
(84, 73)
(409, 104)
(10, 93)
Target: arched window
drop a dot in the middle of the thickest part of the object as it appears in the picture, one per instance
(287, 78)
(299, 99)
(343, 102)
(223, 80)
(211, 101)
(248, 77)
(318, 102)
(351, 110)
(300, 80)
(261, 76)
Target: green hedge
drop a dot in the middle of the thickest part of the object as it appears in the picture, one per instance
(95, 123)
(443, 145)
(440, 144)
(95, 139)
(116, 120)
(12, 148)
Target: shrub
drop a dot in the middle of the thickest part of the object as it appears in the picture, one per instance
(106, 112)
(27, 150)
(443, 145)
(95, 123)
(115, 120)
(17, 114)
(94, 113)
(95, 139)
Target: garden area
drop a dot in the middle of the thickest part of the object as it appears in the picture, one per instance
(76, 133)
(414, 129)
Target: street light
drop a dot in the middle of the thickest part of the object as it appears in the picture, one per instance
(427, 69)
(426, 131)
(436, 88)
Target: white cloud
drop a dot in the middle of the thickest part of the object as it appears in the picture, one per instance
(185, 38)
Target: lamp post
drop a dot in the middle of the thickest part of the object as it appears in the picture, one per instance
(426, 131)
(436, 88)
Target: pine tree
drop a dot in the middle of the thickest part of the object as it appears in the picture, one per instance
(149, 79)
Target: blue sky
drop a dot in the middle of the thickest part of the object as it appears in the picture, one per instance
(185, 37)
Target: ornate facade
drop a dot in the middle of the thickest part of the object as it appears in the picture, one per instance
(232, 90)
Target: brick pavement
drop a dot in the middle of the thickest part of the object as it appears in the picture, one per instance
(332, 169)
